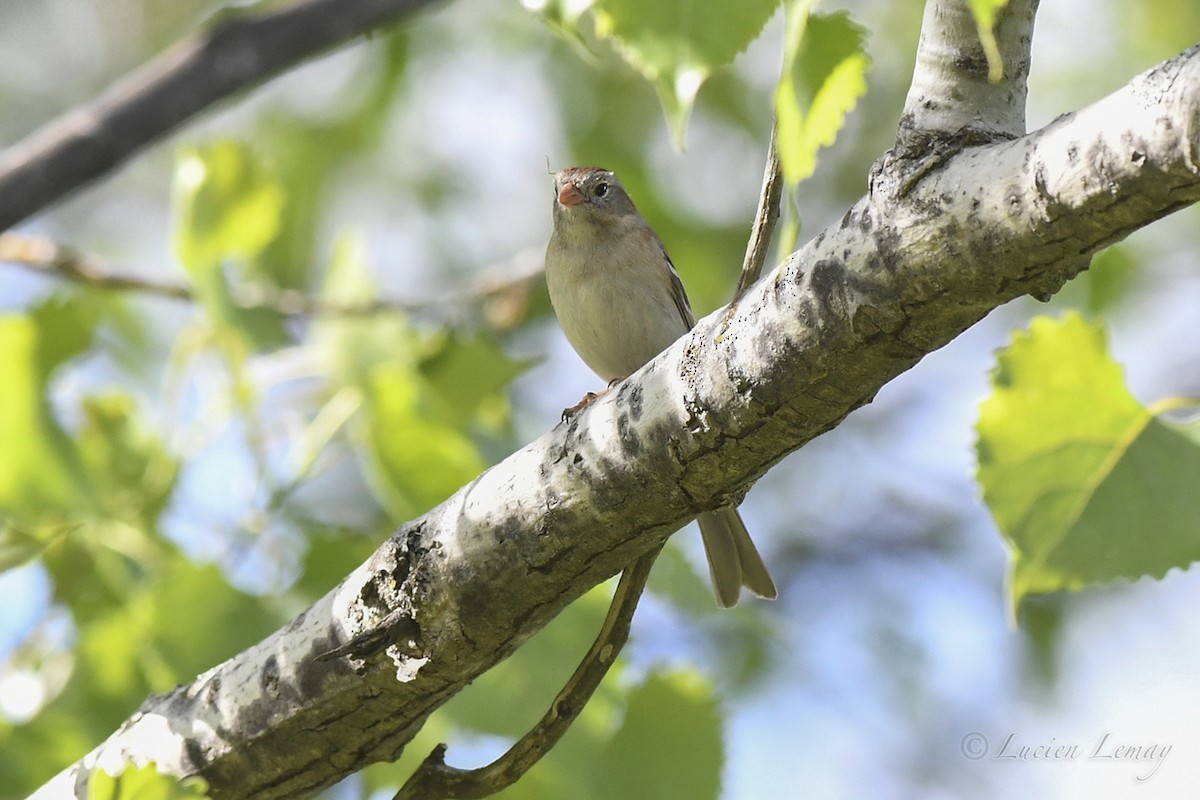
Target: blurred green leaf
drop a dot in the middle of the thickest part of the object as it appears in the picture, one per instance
(413, 429)
(1111, 274)
(467, 373)
(331, 556)
(418, 458)
(147, 644)
(227, 209)
(985, 13)
(352, 346)
(560, 12)
(227, 205)
(97, 554)
(33, 753)
(1086, 485)
(310, 150)
(509, 698)
(669, 746)
(1155, 28)
(677, 45)
(144, 783)
(18, 546)
(232, 621)
(824, 75)
(563, 16)
(132, 473)
(1111, 277)
(41, 479)
(676, 579)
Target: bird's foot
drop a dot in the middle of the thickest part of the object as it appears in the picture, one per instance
(581, 405)
(587, 400)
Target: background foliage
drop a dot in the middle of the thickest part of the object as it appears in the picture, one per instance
(178, 479)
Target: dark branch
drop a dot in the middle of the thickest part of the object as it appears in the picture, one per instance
(434, 779)
(238, 51)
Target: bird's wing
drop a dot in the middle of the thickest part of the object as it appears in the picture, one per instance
(677, 291)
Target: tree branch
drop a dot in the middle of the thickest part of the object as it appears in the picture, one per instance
(764, 218)
(434, 779)
(951, 94)
(508, 281)
(909, 267)
(238, 51)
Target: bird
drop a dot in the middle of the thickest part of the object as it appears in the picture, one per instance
(620, 303)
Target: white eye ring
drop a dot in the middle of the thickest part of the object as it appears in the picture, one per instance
(601, 189)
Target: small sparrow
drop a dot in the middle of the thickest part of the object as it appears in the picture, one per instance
(621, 303)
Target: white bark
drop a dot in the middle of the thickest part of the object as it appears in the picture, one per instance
(942, 238)
(950, 92)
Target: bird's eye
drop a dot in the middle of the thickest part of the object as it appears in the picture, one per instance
(601, 189)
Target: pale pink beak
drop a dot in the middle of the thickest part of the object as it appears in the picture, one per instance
(570, 195)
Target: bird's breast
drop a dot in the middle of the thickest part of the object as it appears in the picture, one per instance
(615, 314)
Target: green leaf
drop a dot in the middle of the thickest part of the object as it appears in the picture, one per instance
(509, 698)
(467, 373)
(331, 555)
(353, 346)
(227, 206)
(418, 459)
(18, 546)
(985, 13)
(153, 641)
(310, 151)
(144, 783)
(678, 44)
(823, 77)
(41, 479)
(130, 469)
(232, 620)
(32, 753)
(228, 209)
(1085, 484)
(669, 746)
(1108, 279)
(563, 16)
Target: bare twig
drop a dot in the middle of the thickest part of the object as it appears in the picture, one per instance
(514, 280)
(764, 219)
(61, 261)
(237, 51)
(434, 779)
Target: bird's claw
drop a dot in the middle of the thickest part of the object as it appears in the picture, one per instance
(587, 399)
(580, 406)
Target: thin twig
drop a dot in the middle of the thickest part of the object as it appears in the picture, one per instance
(764, 219)
(62, 261)
(47, 257)
(434, 779)
(237, 50)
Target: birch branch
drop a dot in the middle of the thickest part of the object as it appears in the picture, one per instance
(910, 266)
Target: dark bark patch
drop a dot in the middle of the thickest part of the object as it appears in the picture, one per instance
(627, 435)
(269, 677)
(631, 394)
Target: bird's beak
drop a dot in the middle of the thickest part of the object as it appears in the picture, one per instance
(569, 195)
